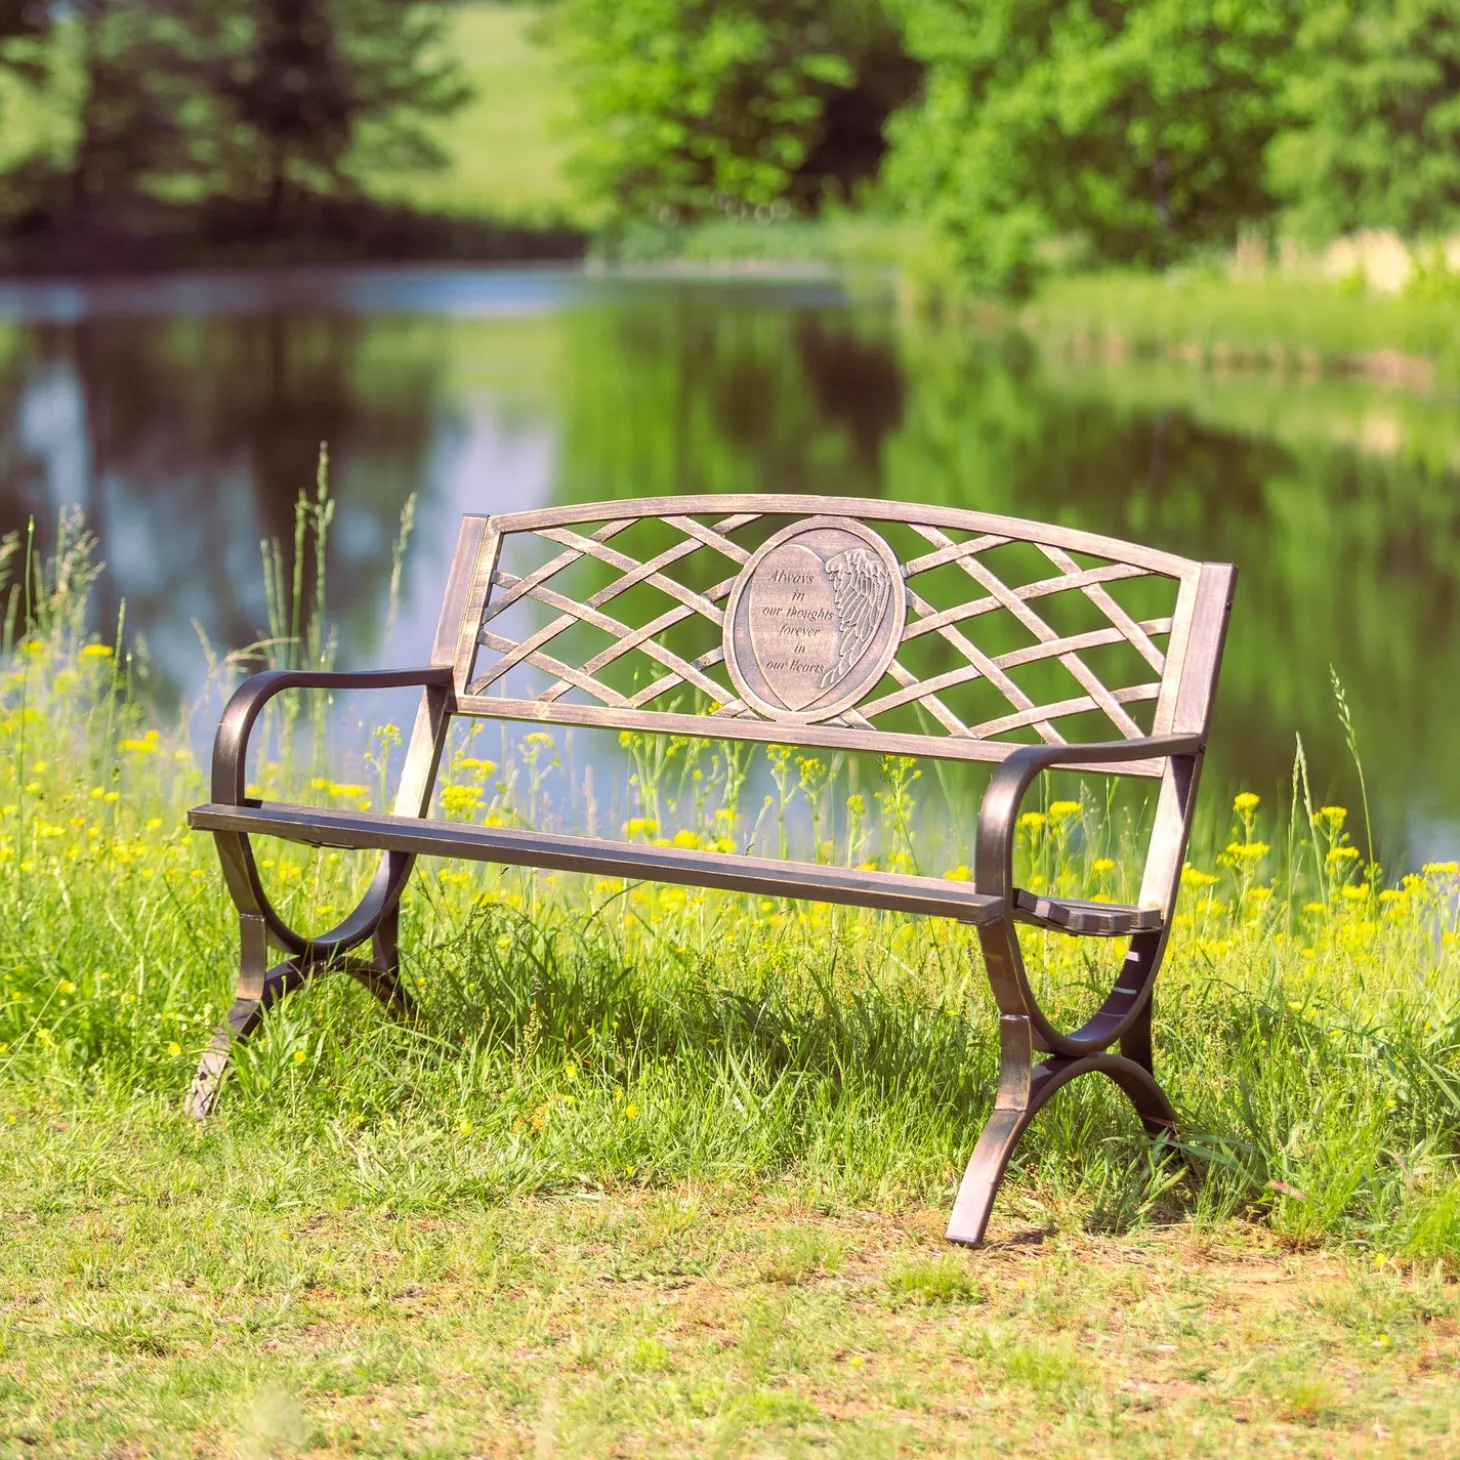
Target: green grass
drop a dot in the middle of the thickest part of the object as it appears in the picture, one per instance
(1292, 325)
(661, 1171)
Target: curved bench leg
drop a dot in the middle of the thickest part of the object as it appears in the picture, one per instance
(260, 987)
(1023, 1090)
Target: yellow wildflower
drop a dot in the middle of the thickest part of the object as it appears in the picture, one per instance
(1102, 864)
(173, 1050)
(1061, 809)
(96, 651)
(1246, 801)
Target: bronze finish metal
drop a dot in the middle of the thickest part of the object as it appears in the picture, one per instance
(813, 620)
(850, 605)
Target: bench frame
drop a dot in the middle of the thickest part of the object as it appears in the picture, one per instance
(992, 904)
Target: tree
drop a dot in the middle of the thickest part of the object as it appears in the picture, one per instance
(138, 71)
(1376, 136)
(1131, 130)
(309, 84)
(688, 106)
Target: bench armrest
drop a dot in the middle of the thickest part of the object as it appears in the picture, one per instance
(994, 850)
(230, 745)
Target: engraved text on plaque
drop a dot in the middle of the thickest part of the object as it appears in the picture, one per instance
(814, 619)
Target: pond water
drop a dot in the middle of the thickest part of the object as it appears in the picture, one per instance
(183, 415)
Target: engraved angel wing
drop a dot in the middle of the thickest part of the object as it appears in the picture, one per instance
(862, 586)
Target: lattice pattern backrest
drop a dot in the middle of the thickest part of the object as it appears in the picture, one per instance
(1006, 631)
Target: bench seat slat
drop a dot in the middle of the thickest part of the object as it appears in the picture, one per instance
(1090, 919)
(330, 827)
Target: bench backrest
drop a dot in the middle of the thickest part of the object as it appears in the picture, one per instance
(845, 623)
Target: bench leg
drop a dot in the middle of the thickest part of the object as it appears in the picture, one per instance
(259, 987)
(1024, 1088)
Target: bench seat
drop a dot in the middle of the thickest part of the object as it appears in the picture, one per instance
(768, 877)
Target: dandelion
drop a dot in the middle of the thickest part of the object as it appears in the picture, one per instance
(1246, 801)
(300, 1056)
(631, 1111)
(173, 1050)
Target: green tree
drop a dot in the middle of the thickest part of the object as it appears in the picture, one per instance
(138, 71)
(310, 86)
(1128, 131)
(688, 106)
(1376, 99)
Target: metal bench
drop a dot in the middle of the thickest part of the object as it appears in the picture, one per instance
(825, 622)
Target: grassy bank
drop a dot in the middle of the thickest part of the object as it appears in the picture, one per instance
(1292, 326)
(663, 1169)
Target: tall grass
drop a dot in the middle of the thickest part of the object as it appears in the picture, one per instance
(578, 1034)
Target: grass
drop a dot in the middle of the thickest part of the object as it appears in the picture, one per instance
(653, 1171)
(203, 1298)
(1301, 326)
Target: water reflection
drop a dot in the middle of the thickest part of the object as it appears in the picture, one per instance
(184, 416)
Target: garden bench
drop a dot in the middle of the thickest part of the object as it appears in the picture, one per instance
(824, 622)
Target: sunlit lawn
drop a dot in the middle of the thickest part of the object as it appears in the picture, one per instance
(165, 1294)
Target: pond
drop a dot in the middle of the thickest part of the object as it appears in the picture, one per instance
(183, 415)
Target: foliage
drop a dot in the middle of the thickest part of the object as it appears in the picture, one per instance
(686, 107)
(247, 100)
(301, 77)
(1131, 132)
(1375, 138)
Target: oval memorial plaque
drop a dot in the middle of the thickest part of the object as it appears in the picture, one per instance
(814, 619)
